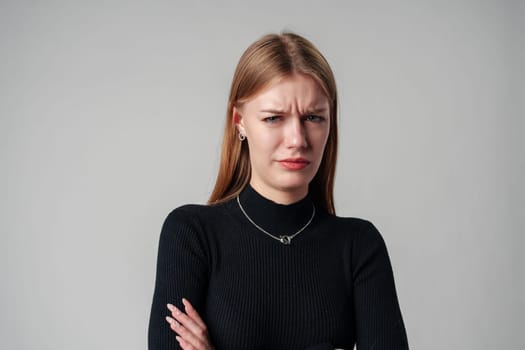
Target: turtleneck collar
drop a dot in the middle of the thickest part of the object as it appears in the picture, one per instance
(278, 219)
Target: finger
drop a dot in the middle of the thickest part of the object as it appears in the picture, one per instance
(191, 341)
(184, 344)
(191, 332)
(190, 310)
(187, 322)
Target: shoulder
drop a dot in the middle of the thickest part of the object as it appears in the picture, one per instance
(361, 244)
(358, 233)
(193, 214)
(185, 229)
(349, 222)
(354, 226)
(193, 219)
(366, 245)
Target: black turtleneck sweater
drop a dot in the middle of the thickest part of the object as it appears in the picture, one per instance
(331, 287)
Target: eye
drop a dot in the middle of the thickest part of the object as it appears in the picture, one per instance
(271, 120)
(314, 118)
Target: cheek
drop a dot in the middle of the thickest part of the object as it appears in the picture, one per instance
(319, 139)
(264, 142)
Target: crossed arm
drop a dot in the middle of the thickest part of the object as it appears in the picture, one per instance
(191, 329)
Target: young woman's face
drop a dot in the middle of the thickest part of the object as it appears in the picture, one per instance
(286, 127)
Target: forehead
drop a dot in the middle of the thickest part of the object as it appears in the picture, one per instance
(295, 92)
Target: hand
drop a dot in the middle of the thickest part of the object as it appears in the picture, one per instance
(191, 329)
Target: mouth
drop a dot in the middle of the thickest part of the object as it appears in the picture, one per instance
(294, 163)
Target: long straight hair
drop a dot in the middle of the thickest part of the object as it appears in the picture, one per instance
(266, 61)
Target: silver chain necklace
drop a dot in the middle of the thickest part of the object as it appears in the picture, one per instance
(284, 239)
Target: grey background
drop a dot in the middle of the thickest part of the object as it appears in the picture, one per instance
(111, 115)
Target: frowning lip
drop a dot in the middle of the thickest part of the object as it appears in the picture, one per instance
(294, 163)
(295, 160)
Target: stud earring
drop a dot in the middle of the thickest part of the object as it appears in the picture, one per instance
(242, 137)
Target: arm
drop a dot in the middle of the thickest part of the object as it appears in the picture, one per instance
(191, 329)
(379, 324)
(182, 272)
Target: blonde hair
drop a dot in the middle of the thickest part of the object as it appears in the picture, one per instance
(270, 58)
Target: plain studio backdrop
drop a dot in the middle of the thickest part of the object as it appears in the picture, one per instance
(111, 115)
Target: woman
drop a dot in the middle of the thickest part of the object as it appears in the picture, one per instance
(267, 264)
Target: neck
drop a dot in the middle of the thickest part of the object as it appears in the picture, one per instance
(280, 196)
(276, 218)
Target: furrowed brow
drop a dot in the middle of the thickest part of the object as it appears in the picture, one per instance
(316, 110)
(273, 111)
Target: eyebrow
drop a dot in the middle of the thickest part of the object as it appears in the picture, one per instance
(310, 110)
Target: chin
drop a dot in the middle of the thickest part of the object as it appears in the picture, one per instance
(295, 182)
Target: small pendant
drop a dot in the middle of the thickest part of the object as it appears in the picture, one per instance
(286, 240)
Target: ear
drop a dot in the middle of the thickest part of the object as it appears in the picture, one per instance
(238, 120)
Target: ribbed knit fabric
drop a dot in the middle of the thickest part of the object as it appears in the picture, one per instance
(332, 287)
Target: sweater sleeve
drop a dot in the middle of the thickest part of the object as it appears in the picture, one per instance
(181, 272)
(379, 324)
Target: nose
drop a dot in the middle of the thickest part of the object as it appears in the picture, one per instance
(296, 134)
